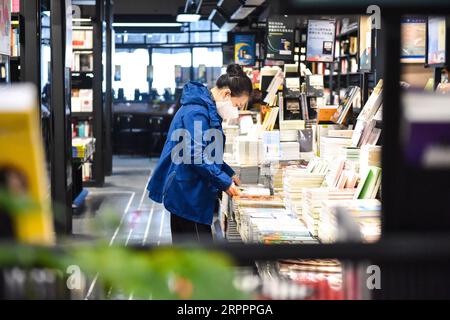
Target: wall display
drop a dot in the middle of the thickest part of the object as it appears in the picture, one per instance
(280, 39)
(436, 41)
(413, 36)
(245, 49)
(365, 43)
(320, 40)
(5, 27)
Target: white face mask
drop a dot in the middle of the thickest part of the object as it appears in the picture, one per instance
(226, 110)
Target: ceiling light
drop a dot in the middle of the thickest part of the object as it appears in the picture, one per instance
(82, 19)
(188, 17)
(147, 24)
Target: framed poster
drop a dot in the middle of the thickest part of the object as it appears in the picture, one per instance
(5, 27)
(413, 37)
(320, 40)
(365, 43)
(245, 49)
(436, 42)
(280, 39)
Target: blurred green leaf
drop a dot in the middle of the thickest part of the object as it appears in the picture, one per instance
(13, 204)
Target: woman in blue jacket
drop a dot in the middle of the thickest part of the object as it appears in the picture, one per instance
(191, 171)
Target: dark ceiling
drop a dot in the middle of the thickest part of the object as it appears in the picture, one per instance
(147, 7)
(170, 7)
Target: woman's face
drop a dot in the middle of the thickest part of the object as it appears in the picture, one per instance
(238, 102)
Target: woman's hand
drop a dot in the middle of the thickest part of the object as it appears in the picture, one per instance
(236, 180)
(232, 191)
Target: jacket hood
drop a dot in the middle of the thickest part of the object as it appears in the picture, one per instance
(197, 93)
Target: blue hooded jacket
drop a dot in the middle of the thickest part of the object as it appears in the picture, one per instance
(189, 190)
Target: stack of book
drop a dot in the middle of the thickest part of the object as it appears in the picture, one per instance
(366, 131)
(82, 148)
(270, 118)
(343, 110)
(248, 151)
(344, 171)
(271, 225)
(292, 124)
(231, 132)
(365, 212)
(323, 277)
(369, 156)
(82, 39)
(330, 147)
(249, 174)
(86, 171)
(253, 201)
(370, 183)
(295, 180)
(350, 154)
(82, 100)
(290, 150)
(277, 81)
(313, 200)
(15, 42)
(276, 172)
(288, 135)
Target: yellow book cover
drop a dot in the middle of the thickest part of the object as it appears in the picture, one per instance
(22, 164)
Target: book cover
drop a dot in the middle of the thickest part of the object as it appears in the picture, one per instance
(22, 164)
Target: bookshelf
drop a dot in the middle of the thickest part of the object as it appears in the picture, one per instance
(344, 71)
(86, 102)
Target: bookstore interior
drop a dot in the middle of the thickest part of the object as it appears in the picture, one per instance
(341, 156)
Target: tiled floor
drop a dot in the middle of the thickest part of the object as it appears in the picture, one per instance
(142, 221)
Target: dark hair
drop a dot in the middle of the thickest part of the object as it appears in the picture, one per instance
(236, 80)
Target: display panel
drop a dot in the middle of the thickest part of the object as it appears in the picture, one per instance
(280, 39)
(413, 37)
(365, 43)
(245, 49)
(436, 41)
(320, 40)
(5, 27)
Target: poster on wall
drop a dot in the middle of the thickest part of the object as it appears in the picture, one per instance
(436, 41)
(245, 49)
(280, 39)
(5, 27)
(365, 43)
(320, 40)
(413, 37)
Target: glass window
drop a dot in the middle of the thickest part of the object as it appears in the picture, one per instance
(210, 57)
(200, 37)
(119, 38)
(219, 37)
(201, 25)
(134, 38)
(157, 38)
(164, 61)
(214, 27)
(133, 71)
(178, 38)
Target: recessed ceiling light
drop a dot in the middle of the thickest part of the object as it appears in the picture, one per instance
(188, 17)
(147, 24)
